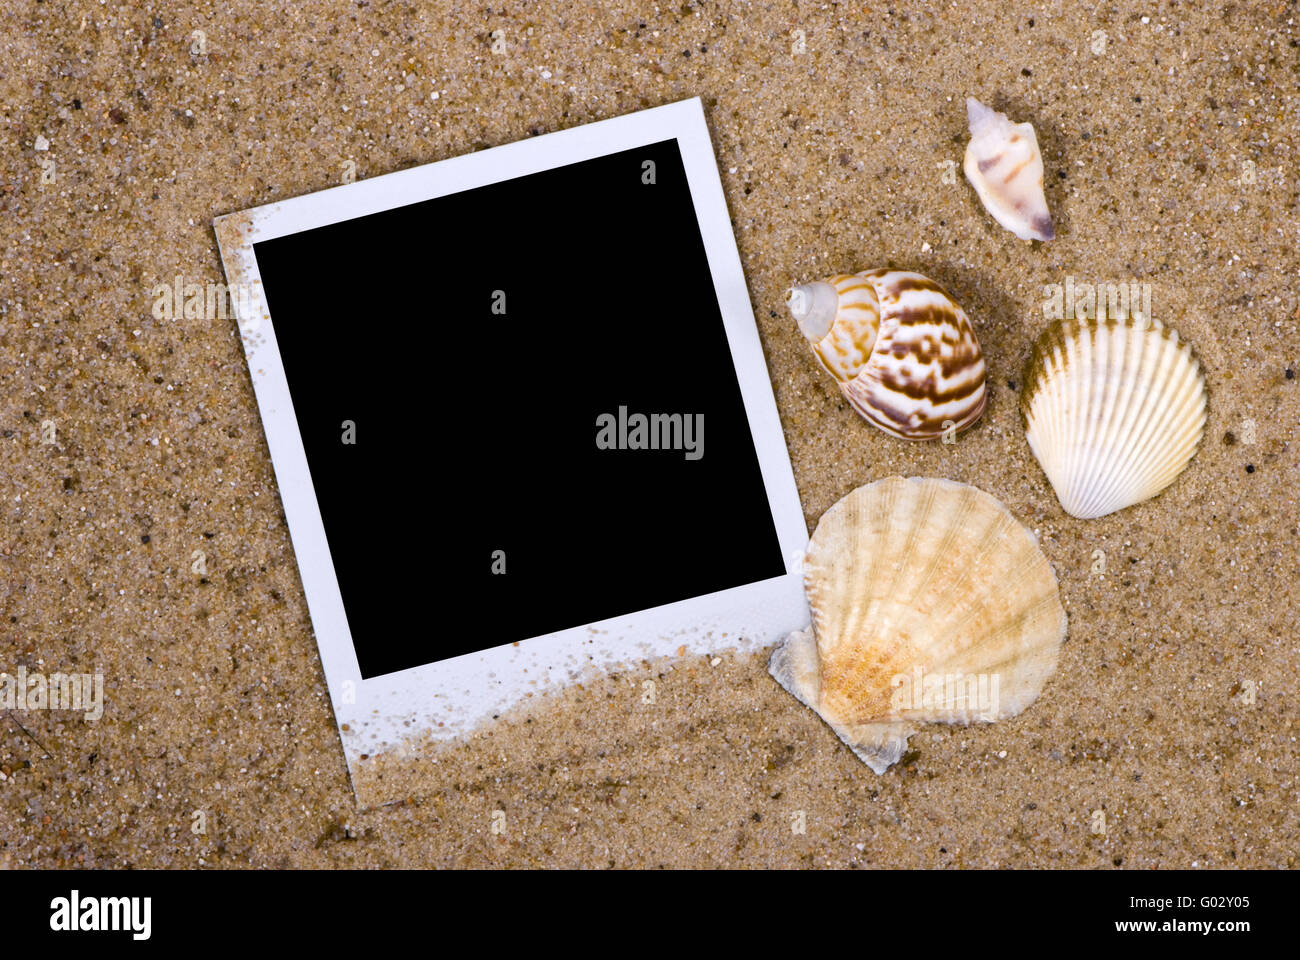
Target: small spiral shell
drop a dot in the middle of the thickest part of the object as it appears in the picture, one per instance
(1005, 166)
(903, 352)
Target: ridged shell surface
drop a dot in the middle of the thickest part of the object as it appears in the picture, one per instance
(919, 588)
(904, 353)
(1004, 165)
(1114, 411)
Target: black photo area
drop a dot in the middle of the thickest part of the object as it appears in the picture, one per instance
(476, 431)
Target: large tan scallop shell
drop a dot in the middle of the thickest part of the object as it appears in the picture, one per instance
(904, 353)
(1114, 410)
(930, 603)
(1004, 165)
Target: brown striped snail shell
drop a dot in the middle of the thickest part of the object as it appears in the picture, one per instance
(903, 352)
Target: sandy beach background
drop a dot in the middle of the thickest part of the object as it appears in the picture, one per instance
(1169, 132)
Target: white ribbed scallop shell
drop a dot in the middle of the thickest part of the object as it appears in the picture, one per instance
(913, 580)
(1114, 411)
(904, 353)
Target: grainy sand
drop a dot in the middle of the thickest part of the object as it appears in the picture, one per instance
(1171, 160)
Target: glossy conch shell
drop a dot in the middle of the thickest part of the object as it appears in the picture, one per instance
(904, 353)
(930, 603)
(1113, 410)
(1005, 167)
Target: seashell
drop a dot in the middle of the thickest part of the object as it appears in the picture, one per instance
(1113, 409)
(930, 603)
(903, 351)
(1005, 167)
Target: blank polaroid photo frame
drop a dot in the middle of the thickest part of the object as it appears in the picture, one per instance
(520, 420)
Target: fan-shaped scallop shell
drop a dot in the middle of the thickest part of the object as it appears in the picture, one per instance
(1004, 165)
(1113, 409)
(904, 353)
(930, 603)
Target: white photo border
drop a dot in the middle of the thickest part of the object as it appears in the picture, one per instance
(447, 697)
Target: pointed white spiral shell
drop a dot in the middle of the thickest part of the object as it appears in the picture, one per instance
(1004, 165)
